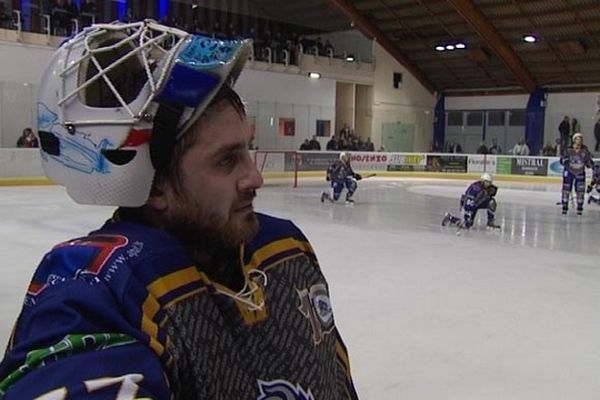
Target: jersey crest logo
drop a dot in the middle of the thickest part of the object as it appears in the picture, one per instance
(316, 307)
(282, 390)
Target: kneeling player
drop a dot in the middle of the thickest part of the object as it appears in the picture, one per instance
(341, 176)
(479, 195)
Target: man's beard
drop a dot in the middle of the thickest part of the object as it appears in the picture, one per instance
(203, 230)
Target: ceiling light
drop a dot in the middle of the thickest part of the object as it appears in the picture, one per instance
(349, 58)
(529, 39)
(460, 45)
(449, 47)
(314, 75)
(439, 47)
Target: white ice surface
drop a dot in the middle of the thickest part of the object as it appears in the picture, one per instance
(426, 314)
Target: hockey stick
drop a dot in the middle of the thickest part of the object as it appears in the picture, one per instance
(369, 176)
(571, 200)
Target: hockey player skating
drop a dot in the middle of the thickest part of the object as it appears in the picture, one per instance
(478, 196)
(575, 159)
(186, 293)
(341, 176)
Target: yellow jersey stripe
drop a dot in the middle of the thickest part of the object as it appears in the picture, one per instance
(275, 248)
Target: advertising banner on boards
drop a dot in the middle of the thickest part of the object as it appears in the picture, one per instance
(481, 163)
(537, 166)
(446, 163)
(407, 162)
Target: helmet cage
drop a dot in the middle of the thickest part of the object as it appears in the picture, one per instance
(100, 96)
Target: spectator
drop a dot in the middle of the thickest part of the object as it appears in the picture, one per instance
(332, 144)
(5, 18)
(73, 9)
(328, 48)
(360, 145)
(495, 148)
(345, 132)
(27, 139)
(320, 46)
(482, 148)
(89, 12)
(559, 149)
(314, 144)
(453, 147)
(369, 146)
(433, 146)
(575, 127)
(353, 143)
(597, 135)
(305, 145)
(549, 150)
(520, 149)
(130, 15)
(61, 18)
(564, 128)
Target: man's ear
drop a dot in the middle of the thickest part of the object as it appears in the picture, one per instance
(158, 199)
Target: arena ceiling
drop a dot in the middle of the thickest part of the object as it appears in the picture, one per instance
(566, 56)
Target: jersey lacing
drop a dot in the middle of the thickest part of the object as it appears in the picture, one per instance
(251, 285)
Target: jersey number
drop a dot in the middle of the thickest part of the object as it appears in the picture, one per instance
(127, 388)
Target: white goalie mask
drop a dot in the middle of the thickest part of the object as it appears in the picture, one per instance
(101, 95)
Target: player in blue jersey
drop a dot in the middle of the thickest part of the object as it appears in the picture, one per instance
(480, 195)
(187, 292)
(341, 175)
(575, 159)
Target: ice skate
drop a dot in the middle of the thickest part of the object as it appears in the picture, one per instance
(446, 219)
(326, 196)
(349, 200)
(492, 225)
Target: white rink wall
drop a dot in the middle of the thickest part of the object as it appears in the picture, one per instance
(25, 164)
(20, 163)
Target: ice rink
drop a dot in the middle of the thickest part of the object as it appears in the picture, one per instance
(425, 313)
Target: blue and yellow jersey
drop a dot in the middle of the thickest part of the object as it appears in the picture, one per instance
(576, 160)
(339, 171)
(125, 311)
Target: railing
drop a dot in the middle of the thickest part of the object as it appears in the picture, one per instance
(46, 26)
(17, 22)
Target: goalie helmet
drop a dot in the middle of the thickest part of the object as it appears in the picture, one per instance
(345, 156)
(577, 135)
(115, 98)
(485, 177)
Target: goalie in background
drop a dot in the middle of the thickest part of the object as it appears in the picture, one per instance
(341, 176)
(594, 187)
(479, 195)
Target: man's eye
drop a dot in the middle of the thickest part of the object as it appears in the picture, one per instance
(227, 161)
